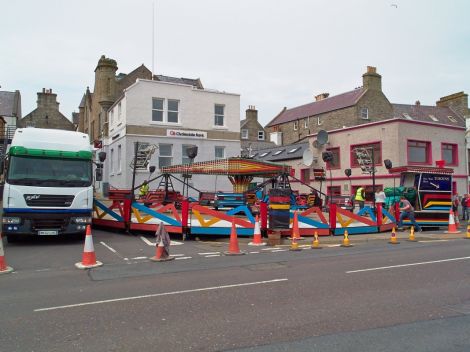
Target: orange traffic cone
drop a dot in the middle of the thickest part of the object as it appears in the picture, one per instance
(162, 251)
(316, 242)
(452, 227)
(412, 237)
(294, 246)
(295, 227)
(4, 268)
(233, 248)
(393, 237)
(468, 233)
(89, 258)
(257, 241)
(345, 242)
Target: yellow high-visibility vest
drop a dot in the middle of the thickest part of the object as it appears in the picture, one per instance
(359, 194)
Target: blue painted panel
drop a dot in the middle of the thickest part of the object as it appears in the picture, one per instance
(242, 209)
(356, 230)
(108, 211)
(220, 231)
(156, 215)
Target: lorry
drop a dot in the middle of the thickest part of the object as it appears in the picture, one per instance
(48, 183)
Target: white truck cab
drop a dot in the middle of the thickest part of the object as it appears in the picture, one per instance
(48, 188)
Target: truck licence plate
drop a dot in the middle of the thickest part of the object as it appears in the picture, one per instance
(48, 233)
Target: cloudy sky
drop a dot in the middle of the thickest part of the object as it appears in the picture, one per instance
(273, 53)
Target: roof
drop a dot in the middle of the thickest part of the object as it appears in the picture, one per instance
(436, 114)
(336, 102)
(8, 103)
(189, 81)
(422, 169)
(278, 153)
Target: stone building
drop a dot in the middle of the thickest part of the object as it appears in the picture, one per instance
(252, 134)
(10, 107)
(47, 114)
(359, 106)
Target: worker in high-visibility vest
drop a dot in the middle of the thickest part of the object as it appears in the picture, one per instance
(360, 197)
(144, 189)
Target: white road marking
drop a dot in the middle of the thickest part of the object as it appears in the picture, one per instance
(279, 250)
(40, 270)
(268, 249)
(139, 258)
(333, 245)
(212, 255)
(410, 264)
(181, 258)
(176, 255)
(175, 243)
(147, 241)
(429, 241)
(111, 249)
(161, 294)
(208, 253)
(253, 252)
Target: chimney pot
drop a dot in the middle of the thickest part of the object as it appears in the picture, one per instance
(321, 96)
(371, 69)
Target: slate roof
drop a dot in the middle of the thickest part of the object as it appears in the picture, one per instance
(432, 114)
(193, 82)
(8, 104)
(336, 102)
(278, 153)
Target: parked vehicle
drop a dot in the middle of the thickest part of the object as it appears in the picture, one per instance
(48, 184)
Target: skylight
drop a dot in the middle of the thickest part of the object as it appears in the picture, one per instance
(293, 150)
(451, 118)
(264, 154)
(407, 116)
(278, 152)
(434, 118)
(252, 156)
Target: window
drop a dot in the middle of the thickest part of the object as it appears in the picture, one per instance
(264, 154)
(377, 147)
(219, 115)
(305, 175)
(261, 135)
(335, 163)
(219, 152)
(450, 154)
(365, 113)
(296, 125)
(244, 134)
(173, 106)
(306, 122)
(407, 116)
(119, 111)
(419, 152)
(157, 109)
(319, 121)
(293, 150)
(111, 161)
(434, 118)
(119, 158)
(111, 117)
(184, 158)
(452, 119)
(278, 152)
(165, 158)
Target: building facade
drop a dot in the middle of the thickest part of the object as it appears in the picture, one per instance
(47, 114)
(253, 136)
(170, 116)
(360, 106)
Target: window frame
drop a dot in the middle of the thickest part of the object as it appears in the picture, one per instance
(160, 156)
(244, 134)
(366, 110)
(303, 173)
(119, 158)
(220, 147)
(455, 153)
(172, 111)
(428, 152)
(352, 155)
(296, 125)
(261, 132)
(218, 115)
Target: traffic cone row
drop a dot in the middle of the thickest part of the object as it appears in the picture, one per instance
(257, 241)
(393, 237)
(4, 268)
(89, 257)
(452, 227)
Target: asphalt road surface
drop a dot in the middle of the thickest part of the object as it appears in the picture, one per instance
(371, 297)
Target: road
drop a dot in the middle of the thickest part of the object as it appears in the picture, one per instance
(371, 297)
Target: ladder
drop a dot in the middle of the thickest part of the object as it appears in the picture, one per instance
(144, 153)
(364, 159)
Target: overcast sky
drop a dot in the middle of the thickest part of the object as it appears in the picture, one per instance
(273, 53)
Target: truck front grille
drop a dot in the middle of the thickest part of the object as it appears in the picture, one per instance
(48, 200)
(49, 224)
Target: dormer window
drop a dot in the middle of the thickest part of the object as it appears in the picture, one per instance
(365, 113)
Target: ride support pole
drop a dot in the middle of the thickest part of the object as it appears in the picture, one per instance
(263, 210)
(379, 213)
(127, 205)
(184, 218)
(332, 216)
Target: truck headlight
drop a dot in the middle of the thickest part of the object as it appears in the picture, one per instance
(81, 220)
(11, 220)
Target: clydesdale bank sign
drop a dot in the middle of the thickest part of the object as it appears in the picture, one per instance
(186, 134)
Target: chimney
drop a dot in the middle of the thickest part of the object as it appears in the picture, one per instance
(321, 96)
(371, 79)
(252, 113)
(458, 102)
(417, 103)
(47, 99)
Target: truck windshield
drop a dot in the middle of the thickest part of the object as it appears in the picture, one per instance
(49, 172)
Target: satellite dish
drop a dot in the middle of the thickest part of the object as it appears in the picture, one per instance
(322, 137)
(307, 157)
